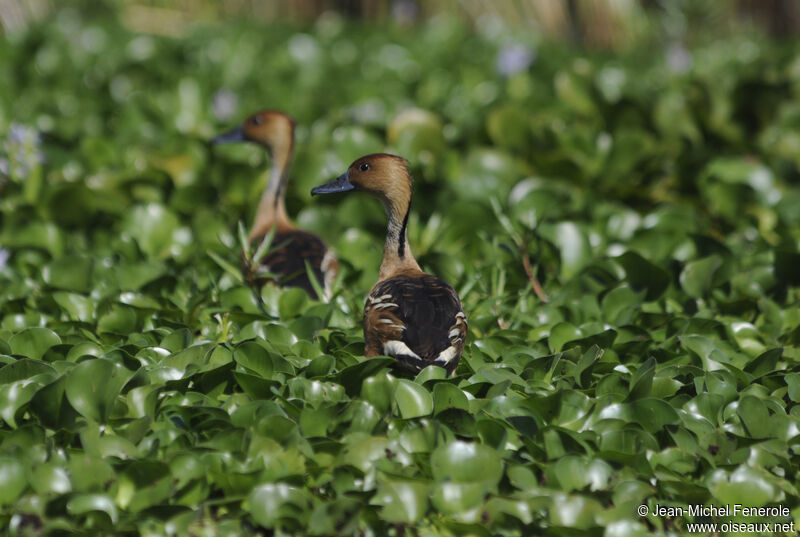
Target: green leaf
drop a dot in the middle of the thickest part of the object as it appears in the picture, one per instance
(562, 333)
(255, 358)
(50, 478)
(93, 385)
(71, 273)
(411, 399)
(467, 462)
(755, 416)
(403, 501)
(642, 380)
(697, 277)
(12, 476)
(23, 369)
(34, 342)
(87, 503)
(573, 245)
(272, 503)
(118, 319)
(379, 390)
(154, 227)
(744, 486)
(642, 274)
(447, 396)
(292, 302)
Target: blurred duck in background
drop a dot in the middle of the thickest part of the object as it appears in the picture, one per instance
(291, 248)
(409, 315)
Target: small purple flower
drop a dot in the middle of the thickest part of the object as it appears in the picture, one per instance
(405, 12)
(4, 255)
(514, 58)
(225, 104)
(679, 60)
(23, 151)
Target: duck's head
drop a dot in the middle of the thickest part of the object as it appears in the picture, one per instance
(267, 127)
(382, 175)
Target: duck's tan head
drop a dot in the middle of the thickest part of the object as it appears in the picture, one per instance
(267, 127)
(382, 175)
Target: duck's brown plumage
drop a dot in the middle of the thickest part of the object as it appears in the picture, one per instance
(287, 260)
(291, 248)
(415, 317)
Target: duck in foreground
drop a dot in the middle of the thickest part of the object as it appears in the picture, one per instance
(291, 247)
(409, 315)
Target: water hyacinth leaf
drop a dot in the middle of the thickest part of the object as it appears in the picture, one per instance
(378, 390)
(793, 385)
(50, 478)
(255, 358)
(118, 319)
(86, 503)
(447, 396)
(34, 342)
(49, 405)
(153, 226)
(78, 307)
(352, 376)
(786, 263)
(431, 372)
(577, 512)
(13, 398)
(697, 277)
(414, 131)
(71, 273)
(274, 502)
(93, 386)
(23, 369)
(412, 400)
(746, 336)
(12, 476)
(755, 416)
(653, 414)
(449, 497)
(764, 363)
(745, 486)
(642, 380)
(642, 274)
(292, 302)
(573, 245)
(402, 501)
(467, 462)
(561, 334)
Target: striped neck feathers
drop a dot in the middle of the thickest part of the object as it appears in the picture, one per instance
(397, 256)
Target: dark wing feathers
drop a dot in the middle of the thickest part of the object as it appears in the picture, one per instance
(287, 260)
(424, 305)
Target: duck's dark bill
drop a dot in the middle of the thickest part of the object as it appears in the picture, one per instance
(235, 135)
(340, 184)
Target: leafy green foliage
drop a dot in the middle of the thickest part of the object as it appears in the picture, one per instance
(145, 389)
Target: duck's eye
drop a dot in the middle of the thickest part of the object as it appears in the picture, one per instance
(256, 120)
(364, 167)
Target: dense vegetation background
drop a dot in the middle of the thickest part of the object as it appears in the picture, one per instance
(654, 193)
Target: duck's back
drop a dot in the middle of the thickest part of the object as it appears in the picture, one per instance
(287, 260)
(418, 319)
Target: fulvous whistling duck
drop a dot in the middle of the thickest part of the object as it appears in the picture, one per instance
(291, 247)
(409, 315)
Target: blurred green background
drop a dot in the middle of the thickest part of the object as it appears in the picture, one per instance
(612, 187)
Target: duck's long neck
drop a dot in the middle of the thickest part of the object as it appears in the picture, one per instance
(272, 208)
(397, 254)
